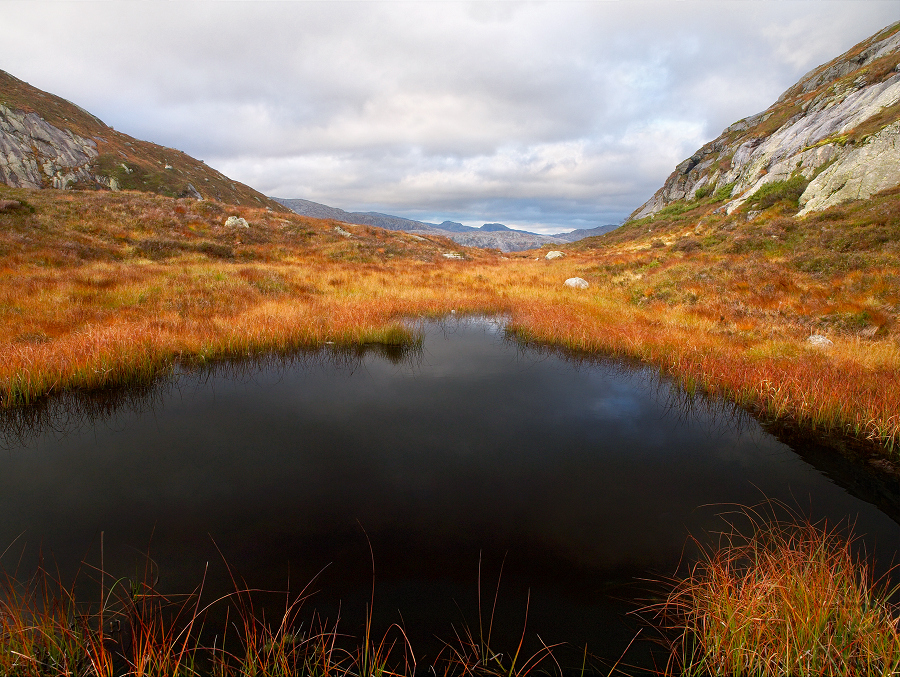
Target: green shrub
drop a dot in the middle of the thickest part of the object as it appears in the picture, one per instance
(724, 192)
(788, 192)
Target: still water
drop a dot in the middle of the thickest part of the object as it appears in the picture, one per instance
(578, 478)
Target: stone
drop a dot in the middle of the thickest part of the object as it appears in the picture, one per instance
(577, 283)
(453, 255)
(819, 341)
(236, 222)
(554, 255)
(341, 231)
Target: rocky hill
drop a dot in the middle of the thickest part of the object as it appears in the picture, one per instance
(832, 137)
(48, 142)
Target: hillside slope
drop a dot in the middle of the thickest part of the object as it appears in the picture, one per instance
(835, 135)
(48, 142)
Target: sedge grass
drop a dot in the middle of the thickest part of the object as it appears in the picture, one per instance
(789, 599)
(133, 630)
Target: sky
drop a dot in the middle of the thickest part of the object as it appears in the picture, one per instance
(543, 116)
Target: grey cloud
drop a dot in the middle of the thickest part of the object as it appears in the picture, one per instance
(539, 113)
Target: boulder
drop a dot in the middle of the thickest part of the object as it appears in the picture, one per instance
(236, 222)
(819, 341)
(554, 255)
(577, 283)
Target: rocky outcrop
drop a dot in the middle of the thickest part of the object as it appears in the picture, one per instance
(35, 154)
(506, 241)
(870, 168)
(837, 127)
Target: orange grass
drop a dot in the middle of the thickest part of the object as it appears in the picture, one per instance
(104, 289)
(136, 631)
(789, 599)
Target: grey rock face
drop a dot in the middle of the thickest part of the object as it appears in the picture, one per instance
(505, 241)
(35, 154)
(815, 135)
(865, 170)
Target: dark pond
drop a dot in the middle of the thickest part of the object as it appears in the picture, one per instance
(579, 477)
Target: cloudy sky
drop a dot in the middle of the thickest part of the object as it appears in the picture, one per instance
(546, 116)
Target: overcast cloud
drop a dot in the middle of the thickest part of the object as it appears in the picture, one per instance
(544, 116)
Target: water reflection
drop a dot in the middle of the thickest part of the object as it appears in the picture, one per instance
(579, 475)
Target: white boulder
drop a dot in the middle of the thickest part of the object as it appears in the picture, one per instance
(236, 222)
(577, 283)
(819, 341)
(554, 255)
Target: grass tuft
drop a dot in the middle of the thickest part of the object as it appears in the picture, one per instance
(789, 599)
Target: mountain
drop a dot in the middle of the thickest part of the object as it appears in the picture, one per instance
(489, 236)
(386, 221)
(48, 142)
(582, 233)
(832, 137)
(454, 227)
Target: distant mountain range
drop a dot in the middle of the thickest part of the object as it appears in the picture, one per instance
(490, 235)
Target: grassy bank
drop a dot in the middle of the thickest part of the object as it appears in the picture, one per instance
(98, 289)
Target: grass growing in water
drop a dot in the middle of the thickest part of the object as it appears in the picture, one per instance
(136, 631)
(790, 599)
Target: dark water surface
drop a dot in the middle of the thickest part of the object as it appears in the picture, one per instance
(583, 476)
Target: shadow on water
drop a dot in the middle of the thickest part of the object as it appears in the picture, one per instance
(580, 474)
(68, 412)
(857, 466)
